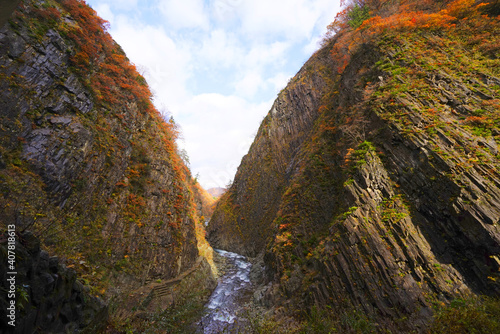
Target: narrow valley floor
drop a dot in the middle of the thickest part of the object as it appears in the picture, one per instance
(225, 310)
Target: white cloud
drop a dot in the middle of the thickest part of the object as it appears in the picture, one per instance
(293, 20)
(264, 18)
(218, 132)
(313, 45)
(249, 85)
(167, 65)
(263, 54)
(279, 81)
(254, 67)
(222, 49)
(250, 48)
(128, 5)
(225, 11)
(105, 12)
(185, 13)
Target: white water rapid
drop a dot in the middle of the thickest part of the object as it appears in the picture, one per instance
(223, 305)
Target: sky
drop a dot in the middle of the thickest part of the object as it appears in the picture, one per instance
(217, 66)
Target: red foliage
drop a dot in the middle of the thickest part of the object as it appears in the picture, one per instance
(136, 200)
(411, 15)
(115, 81)
(476, 120)
(47, 14)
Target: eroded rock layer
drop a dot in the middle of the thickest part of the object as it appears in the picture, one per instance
(86, 161)
(373, 182)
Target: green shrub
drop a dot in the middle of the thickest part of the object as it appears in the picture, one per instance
(320, 321)
(472, 315)
(357, 15)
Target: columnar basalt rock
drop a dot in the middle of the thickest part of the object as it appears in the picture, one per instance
(242, 221)
(49, 298)
(374, 186)
(86, 162)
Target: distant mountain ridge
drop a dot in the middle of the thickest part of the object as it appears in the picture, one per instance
(216, 192)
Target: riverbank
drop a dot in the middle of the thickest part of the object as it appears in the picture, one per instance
(241, 303)
(172, 306)
(234, 289)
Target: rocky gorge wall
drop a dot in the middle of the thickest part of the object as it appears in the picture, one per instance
(49, 298)
(390, 203)
(86, 161)
(241, 221)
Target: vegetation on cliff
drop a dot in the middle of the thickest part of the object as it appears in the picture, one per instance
(373, 183)
(87, 163)
(372, 188)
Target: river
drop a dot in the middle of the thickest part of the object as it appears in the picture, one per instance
(225, 302)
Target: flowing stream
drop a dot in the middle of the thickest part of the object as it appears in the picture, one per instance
(223, 305)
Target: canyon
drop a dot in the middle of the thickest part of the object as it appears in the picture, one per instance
(369, 200)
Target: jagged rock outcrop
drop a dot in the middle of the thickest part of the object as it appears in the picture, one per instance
(373, 183)
(49, 298)
(86, 162)
(241, 222)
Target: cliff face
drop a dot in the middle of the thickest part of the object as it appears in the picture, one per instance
(86, 162)
(49, 297)
(242, 220)
(373, 183)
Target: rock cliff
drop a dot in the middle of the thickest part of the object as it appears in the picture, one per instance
(373, 182)
(49, 296)
(86, 161)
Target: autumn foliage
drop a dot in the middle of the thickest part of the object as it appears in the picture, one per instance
(406, 15)
(131, 151)
(113, 78)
